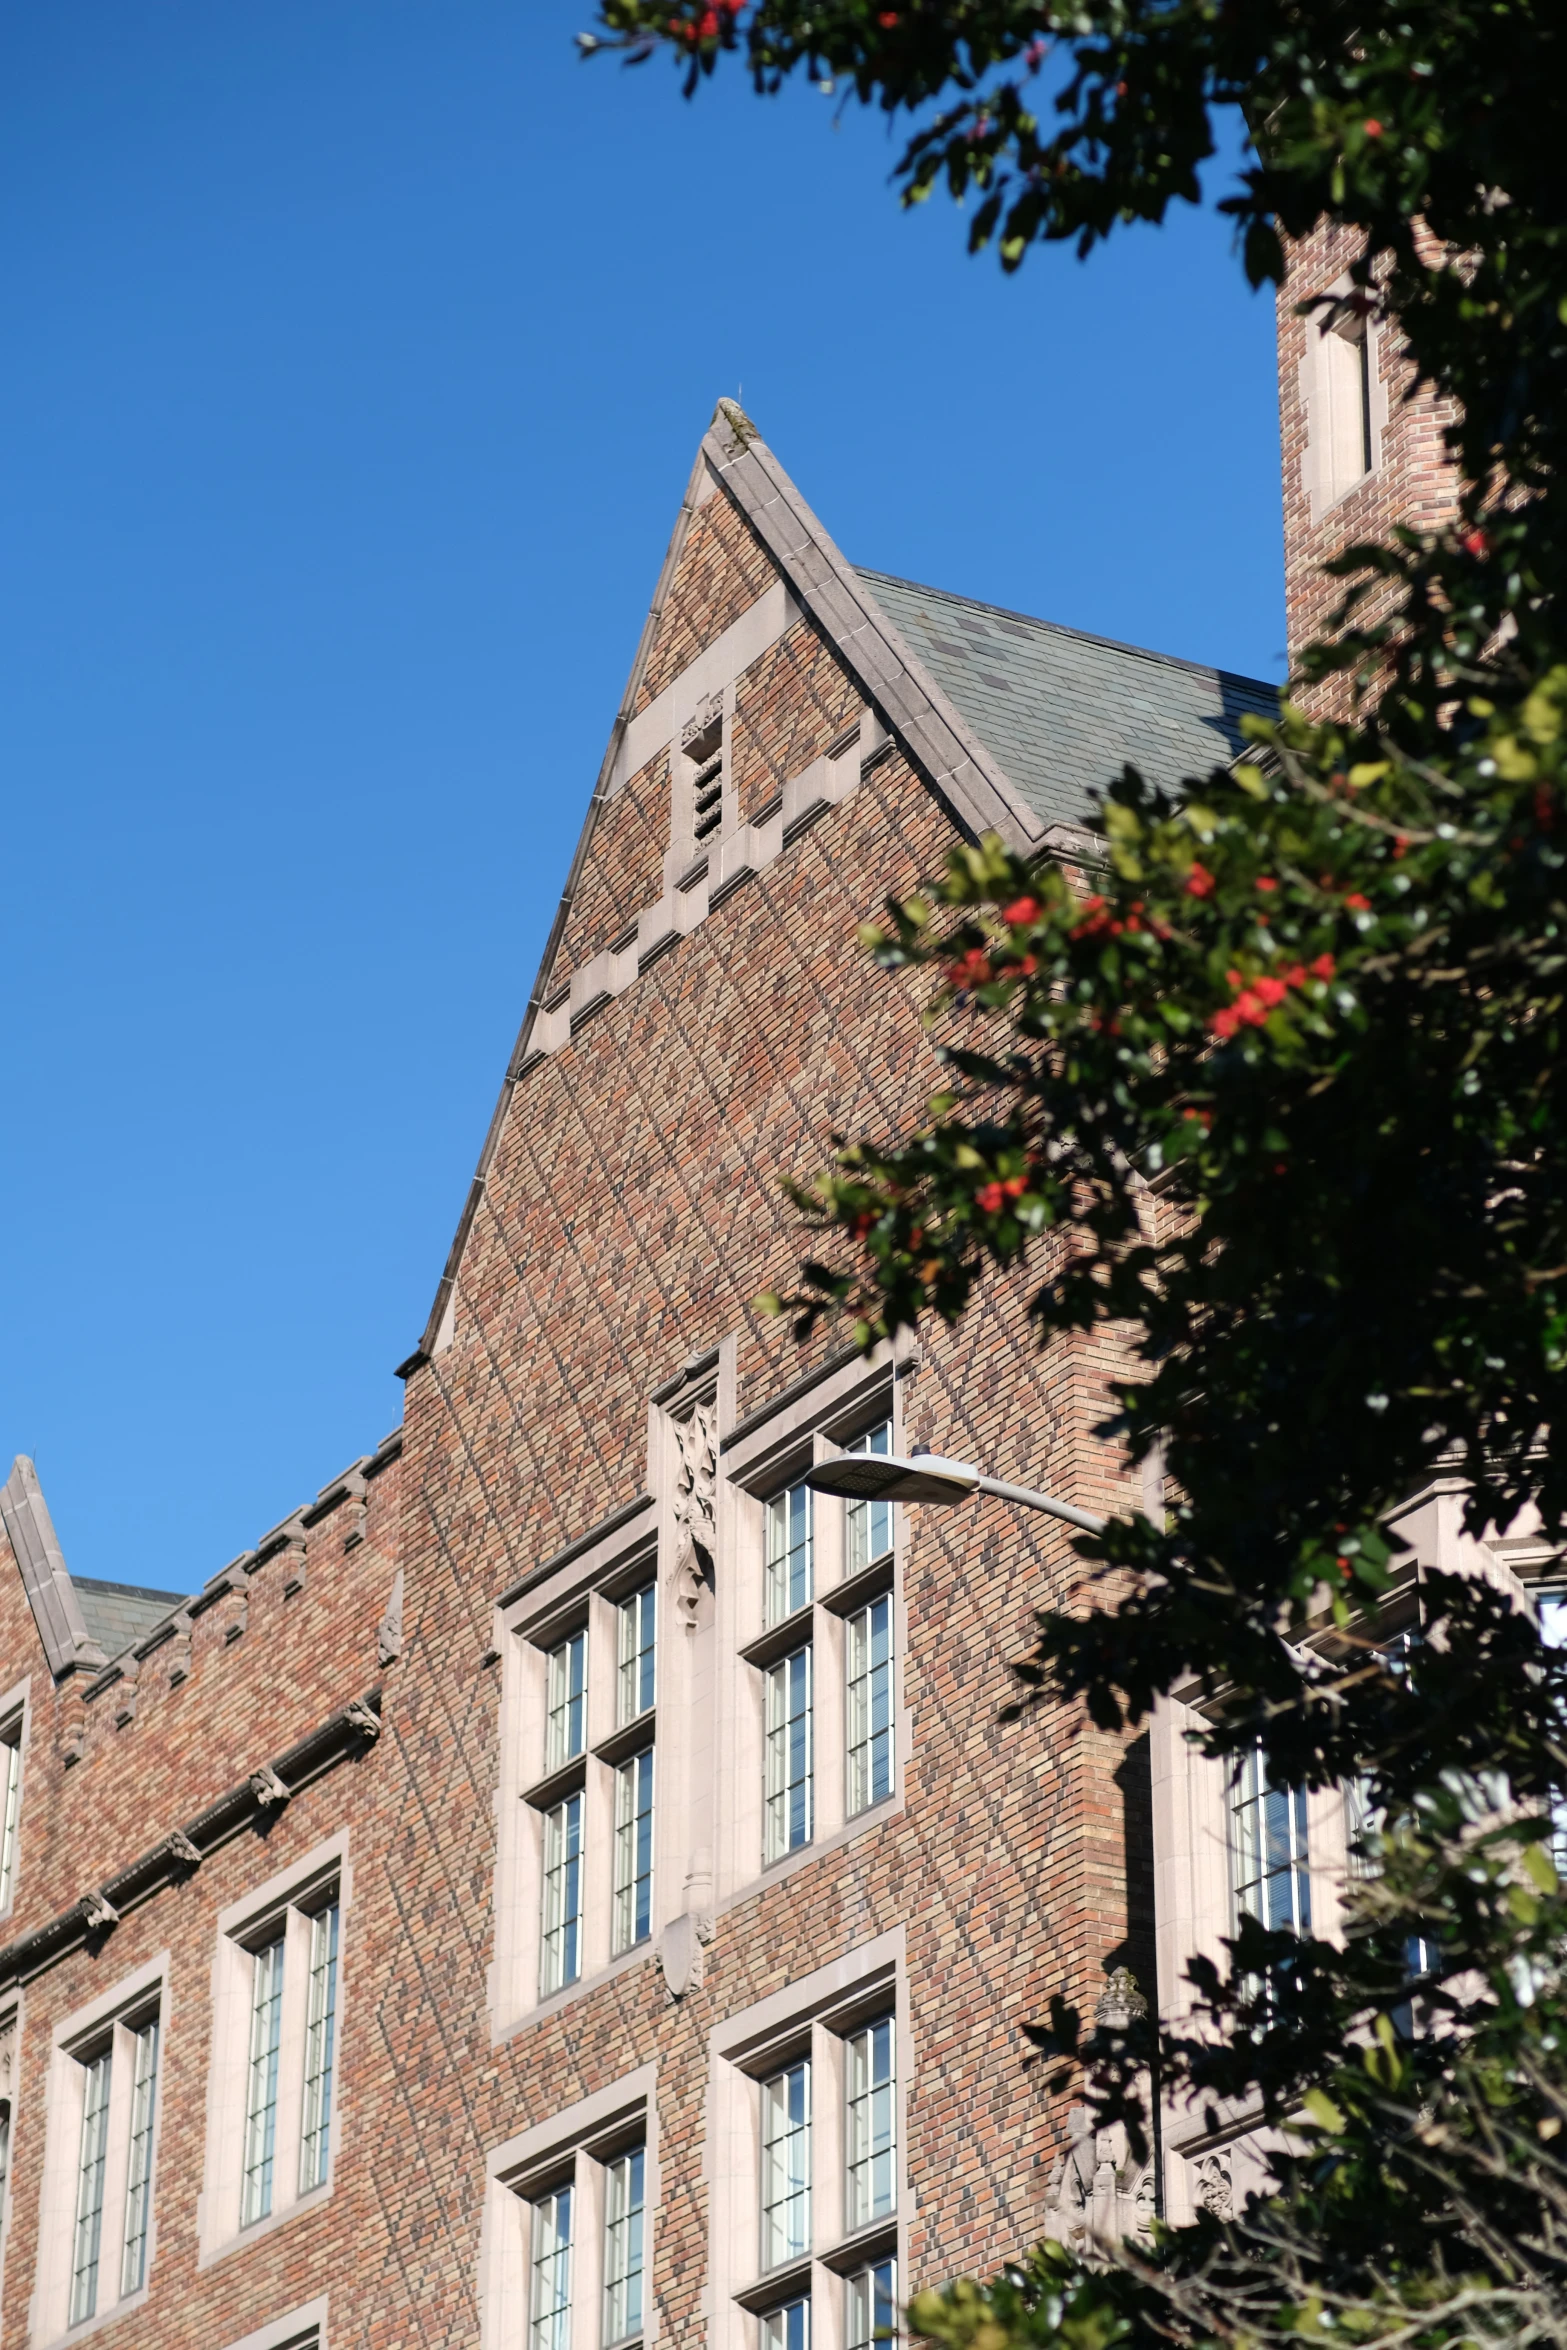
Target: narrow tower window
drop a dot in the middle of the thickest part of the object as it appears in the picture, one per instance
(266, 2025)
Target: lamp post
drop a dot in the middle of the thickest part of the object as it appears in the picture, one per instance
(928, 1476)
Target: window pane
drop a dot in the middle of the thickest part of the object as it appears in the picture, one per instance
(562, 1894)
(320, 2038)
(636, 1653)
(266, 2018)
(634, 1849)
(787, 1794)
(1268, 1850)
(872, 2124)
(788, 2328)
(869, 1523)
(789, 1567)
(566, 1718)
(873, 2305)
(786, 2165)
(89, 2188)
(869, 1665)
(623, 2247)
(138, 2184)
(552, 2271)
(10, 1799)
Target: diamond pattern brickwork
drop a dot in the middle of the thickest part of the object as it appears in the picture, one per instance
(722, 569)
(632, 1214)
(623, 869)
(789, 705)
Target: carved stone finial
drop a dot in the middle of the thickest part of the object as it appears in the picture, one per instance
(1120, 2002)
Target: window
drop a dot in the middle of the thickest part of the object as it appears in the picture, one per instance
(266, 2039)
(789, 1562)
(567, 2225)
(95, 2239)
(276, 2044)
(868, 1524)
(635, 1691)
(788, 2328)
(568, 1680)
(787, 1807)
(807, 2209)
(551, 2300)
(1343, 398)
(577, 1872)
(89, 2186)
(562, 1962)
(871, 2136)
(868, 1653)
(634, 1850)
(320, 2030)
(623, 2246)
(873, 2305)
(10, 1806)
(786, 2165)
(138, 2184)
(1268, 1849)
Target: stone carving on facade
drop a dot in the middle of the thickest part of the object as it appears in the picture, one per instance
(389, 1636)
(1213, 2185)
(696, 1479)
(1098, 2195)
(268, 1789)
(7, 2060)
(99, 1912)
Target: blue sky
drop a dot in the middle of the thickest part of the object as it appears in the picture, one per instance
(357, 353)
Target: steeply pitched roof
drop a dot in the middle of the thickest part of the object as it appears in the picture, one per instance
(1062, 711)
(1010, 740)
(119, 1614)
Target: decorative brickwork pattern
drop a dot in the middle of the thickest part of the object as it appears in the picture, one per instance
(623, 870)
(721, 571)
(789, 707)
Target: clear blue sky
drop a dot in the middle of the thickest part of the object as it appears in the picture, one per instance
(356, 355)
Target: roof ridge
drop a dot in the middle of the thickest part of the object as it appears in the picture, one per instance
(1082, 636)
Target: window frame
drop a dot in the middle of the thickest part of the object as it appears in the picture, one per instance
(15, 1728)
(813, 2019)
(106, 2031)
(585, 1593)
(576, 2148)
(760, 1462)
(283, 1910)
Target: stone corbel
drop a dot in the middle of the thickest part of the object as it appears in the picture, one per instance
(268, 1789)
(362, 1718)
(99, 1912)
(125, 1694)
(181, 1850)
(292, 1556)
(178, 1645)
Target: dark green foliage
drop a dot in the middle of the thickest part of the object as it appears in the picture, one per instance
(1283, 1094)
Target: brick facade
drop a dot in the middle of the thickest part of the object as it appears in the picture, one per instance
(627, 1214)
(1410, 479)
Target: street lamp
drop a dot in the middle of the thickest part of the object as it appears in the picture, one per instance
(927, 1476)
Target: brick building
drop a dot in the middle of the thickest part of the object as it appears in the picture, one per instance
(566, 1884)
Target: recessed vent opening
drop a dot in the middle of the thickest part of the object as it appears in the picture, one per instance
(704, 747)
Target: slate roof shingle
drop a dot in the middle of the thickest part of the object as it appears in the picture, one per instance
(1062, 711)
(118, 1614)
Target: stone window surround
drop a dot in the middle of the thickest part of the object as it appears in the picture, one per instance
(812, 1422)
(16, 1716)
(1316, 478)
(135, 1997)
(11, 2017)
(585, 1590)
(812, 2014)
(572, 2145)
(240, 1926)
(299, 2329)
